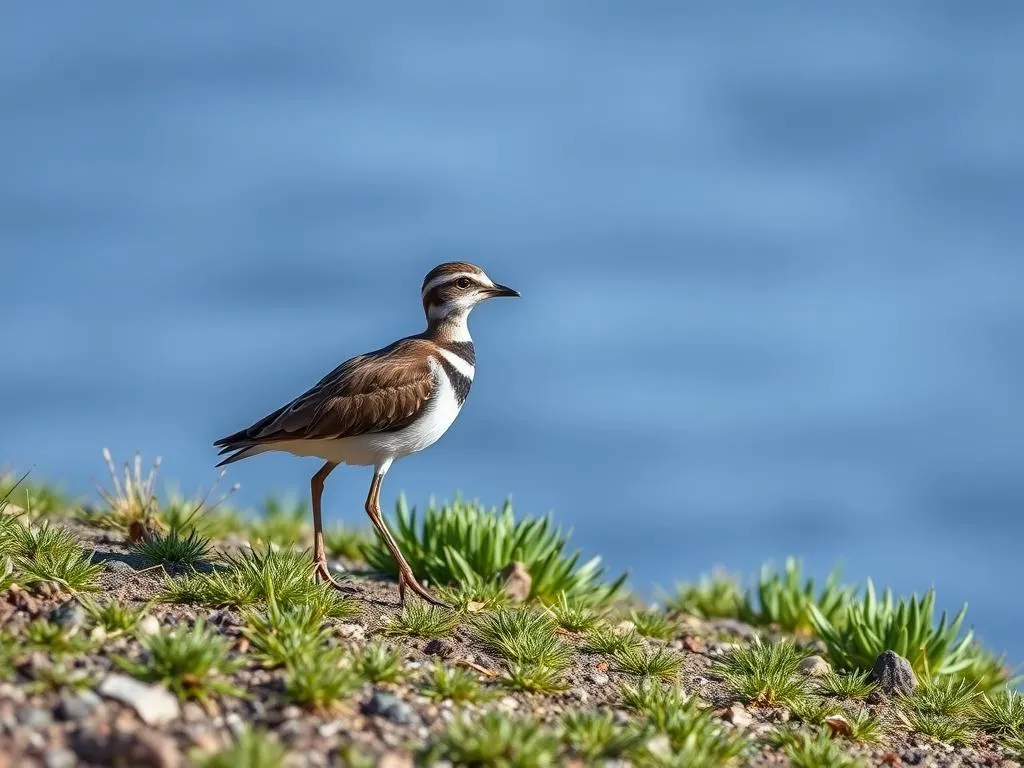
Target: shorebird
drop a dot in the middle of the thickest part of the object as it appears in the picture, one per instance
(382, 406)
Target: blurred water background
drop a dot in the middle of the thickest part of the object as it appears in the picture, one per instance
(770, 259)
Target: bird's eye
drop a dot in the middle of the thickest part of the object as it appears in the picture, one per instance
(463, 282)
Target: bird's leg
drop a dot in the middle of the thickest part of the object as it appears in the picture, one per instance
(316, 486)
(406, 578)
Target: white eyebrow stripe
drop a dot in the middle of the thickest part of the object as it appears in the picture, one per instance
(440, 279)
(460, 364)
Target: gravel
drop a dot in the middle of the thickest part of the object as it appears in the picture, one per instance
(154, 704)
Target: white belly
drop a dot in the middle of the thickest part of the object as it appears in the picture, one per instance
(378, 448)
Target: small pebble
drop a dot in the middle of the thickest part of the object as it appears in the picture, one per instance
(60, 758)
(439, 647)
(815, 666)
(34, 717)
(150, 625)
(390, 707)
(153, 703)
(69, 615)
(77, 706)
(598, 678)
(119, 566)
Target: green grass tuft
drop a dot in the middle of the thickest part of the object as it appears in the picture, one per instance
(605, 640)
(941, 728)
(455, 684)
(657, 662)
(865, 727)
(522, 635)
(473, 598)
(251, 577)
(765, 674)
(654, 624)
(494, 740)
(417, 619)
(594, 737)
(320, 681)
(173, 549)
(717, 596)
(380, 663)
(192, 662)
(279, 635)
(534, 678)
(47, 553)
(574, 616)
(806, 751)
(854, 685)
(252, 749)
(1001, 713)
(907, 627)
(37, 499)
(784, 599)
(116, 618)
(465, 543)
(947, 698)
(46, 636)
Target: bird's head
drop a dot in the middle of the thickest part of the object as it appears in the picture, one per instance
(452, 289)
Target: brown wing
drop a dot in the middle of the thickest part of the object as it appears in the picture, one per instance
(377, 392)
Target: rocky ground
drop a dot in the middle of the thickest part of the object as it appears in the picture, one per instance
(108, 717)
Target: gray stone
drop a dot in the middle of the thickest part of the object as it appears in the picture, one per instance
(119, 566)
(70, 615)
(894, 674)
(76, 706)
(59, 758)
(154, 704)
(598, 678)
(815, 666)
(34, 717)
(390, 707)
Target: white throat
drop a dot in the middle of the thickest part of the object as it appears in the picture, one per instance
(455, 324)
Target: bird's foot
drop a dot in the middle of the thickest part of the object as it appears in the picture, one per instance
(409, 580)
(323, 574)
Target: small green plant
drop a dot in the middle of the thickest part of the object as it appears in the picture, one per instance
(320, 681)
(58, 676)
(695, 737)
(285, 523)
(455, 684)
(192, 662)
(522, 635)
(595, 736)
(211, 520)
(784, 599)
(172, 549)
(252, 749)
(46, 553)
(717, 596)
(814, 711)
(653, 624)
(37, 499)
(473, 598)
(380, 663)
(657, 662)
(947, 698)
(131, 502)
(806, 751)
(906, 627)
(764, 674)
(854, 685)
(535, 678)
(988, 671)
(574, 616)
(47, 636)
(865, 727)
(417, 619)
(251, 576)
(115, 618)
(279, 635)
(1001, 713)
(495, 740)
(605, 640)
(348, 543)
(941, 728)
(466, 543)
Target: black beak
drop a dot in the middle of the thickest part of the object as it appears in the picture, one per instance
(502, 290)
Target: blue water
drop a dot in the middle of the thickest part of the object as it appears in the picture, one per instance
(771, 263)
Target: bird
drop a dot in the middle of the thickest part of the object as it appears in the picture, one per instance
(382, 406)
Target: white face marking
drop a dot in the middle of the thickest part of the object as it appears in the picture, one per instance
(462, 366)
(475, 276)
